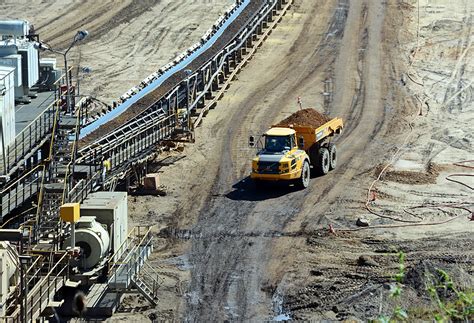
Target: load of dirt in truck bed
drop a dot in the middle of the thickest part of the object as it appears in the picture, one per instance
(305, 117)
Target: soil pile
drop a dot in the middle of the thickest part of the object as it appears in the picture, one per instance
(410, 177)
(305, 117)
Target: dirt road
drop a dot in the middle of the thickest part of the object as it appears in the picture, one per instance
(238, 226)
(259, 255)
(228, 252)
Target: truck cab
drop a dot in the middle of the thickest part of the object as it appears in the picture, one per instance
(280, 157)
(287, 153)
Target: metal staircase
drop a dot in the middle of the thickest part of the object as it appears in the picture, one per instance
(130, 268)
(58, 179)
(146, 291)
(42, 280)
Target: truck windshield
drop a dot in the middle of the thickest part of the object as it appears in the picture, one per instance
(277, 143)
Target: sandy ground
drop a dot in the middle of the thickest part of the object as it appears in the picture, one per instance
(128, 39)
(230, 252)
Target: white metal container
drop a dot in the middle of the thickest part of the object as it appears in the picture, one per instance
(49, 62)
(18, 28)
(9, 272)
(48, 73)
(15, 62)
(30, 63)
(7, 105)
(109, 208)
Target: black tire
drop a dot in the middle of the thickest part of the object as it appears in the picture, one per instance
(303, 181)
(332, 156)
(322, 165)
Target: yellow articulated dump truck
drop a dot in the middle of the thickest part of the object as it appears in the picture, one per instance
(289, 149)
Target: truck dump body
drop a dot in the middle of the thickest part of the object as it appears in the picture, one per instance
(313, 135)
(296, 144)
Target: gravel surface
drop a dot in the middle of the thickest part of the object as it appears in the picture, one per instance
(128, 39)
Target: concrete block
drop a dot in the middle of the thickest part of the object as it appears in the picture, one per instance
(151, 181)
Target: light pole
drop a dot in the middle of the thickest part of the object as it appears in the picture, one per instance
(80, 35)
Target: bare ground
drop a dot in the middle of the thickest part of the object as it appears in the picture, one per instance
(226, 251)
(128, 39)
(242, 254)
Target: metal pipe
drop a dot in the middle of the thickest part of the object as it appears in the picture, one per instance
(3, 148)
(68, 89)
(73, 235)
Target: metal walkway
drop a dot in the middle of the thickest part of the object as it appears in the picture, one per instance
(128, 272)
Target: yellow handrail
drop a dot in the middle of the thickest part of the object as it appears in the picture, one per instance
(41, 193)
(40, 196)
(62, 76)
(56, 118)
(37, 300)
(71, 161)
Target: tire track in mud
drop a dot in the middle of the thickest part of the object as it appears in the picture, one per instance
(459, 80)
(364, 124)
(350, 60)
(228, 273)
(365, 115)
(218, 290)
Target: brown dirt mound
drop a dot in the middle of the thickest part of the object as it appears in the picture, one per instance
(305, 117)
(410, 177)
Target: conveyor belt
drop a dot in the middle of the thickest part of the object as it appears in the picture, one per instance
(132, 140)
(89, 129)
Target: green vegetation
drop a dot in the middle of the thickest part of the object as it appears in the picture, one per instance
(449, 302)
(459, 308)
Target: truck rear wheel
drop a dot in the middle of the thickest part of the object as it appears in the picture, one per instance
(322, 166)
(332, 156)
(305, 175)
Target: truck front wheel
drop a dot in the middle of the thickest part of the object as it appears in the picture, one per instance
(305, 175)
(322, 166)
(332, 156)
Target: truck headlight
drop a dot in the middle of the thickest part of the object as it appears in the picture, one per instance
(293, 164)
(285, 168)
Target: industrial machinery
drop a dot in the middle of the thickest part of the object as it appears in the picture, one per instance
(7, 106)
(49, 74)
(17, 50)
(92, 239)
(9, 274)
(287, 153)
(99, 229)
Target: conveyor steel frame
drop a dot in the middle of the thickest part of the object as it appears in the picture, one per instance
(134, 139)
